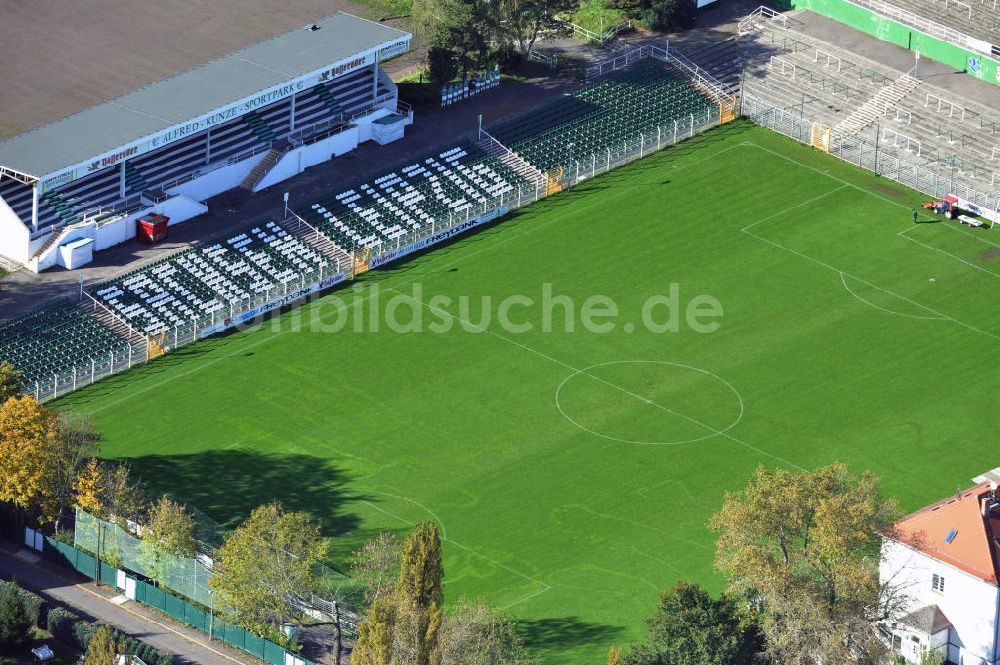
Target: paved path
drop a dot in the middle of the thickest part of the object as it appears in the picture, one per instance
(61, 586)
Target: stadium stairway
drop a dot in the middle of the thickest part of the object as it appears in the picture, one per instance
(328, 99)
(875, 107)
(512, 160)
(259, 127)
(62, 208)
(266, 163)
(134, 180)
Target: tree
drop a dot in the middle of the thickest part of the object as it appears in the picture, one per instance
(523, 20)
(805, 547)
(669, 15)
(26, 434)
(103, 648)
(421, 575)
(72, 447)
(374, 645)
(124, 500)
(266, 566)
(614, 656)
(89, 487)
(475, 632)
(167, 535)
(41, 455)
(15, 628)
(690, 627)
(402, 626)
(11, 380)
(375, 566)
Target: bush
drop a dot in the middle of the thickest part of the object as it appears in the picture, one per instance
(34, 605)
(15, 627)
(670, 15)
(77, 632)
(62, 624)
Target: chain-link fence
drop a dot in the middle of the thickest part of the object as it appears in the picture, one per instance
(863, 150)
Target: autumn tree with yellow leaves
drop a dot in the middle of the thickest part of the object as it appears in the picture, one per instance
(804, 547)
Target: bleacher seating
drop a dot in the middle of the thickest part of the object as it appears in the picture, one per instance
(53, 340)
(821, 82)
(604, 114)
(422, 193)
(206, 279)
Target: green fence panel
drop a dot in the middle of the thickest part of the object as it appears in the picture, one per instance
(195, 617)
(109, 574)
(174, 607)
(86, 564)
(155, 598)
(255, 645)
(58, 552)
(234, 635)
(273, 653)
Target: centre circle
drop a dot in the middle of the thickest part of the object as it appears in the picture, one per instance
(649, 402)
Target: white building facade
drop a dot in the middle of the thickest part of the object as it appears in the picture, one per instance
(942, 563)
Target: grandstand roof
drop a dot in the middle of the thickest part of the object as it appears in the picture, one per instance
(193, 93)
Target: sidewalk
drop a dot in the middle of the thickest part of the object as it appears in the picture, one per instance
(60, 586)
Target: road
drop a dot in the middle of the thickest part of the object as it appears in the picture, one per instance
(63, 587)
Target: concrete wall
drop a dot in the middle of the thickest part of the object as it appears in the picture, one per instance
(298, 160)
(217, 181)
(888, 30)
(968, 602)
(14, 235)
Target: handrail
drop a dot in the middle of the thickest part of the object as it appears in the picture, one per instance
(748, 21)
(601, 39)
(933, 28)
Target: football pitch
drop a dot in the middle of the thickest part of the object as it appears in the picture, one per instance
(572, 472)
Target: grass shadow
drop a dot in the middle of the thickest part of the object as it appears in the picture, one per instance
(565, 632)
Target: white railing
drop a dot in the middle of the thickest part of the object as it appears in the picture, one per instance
(748, 22)
(20, 176)
(900, 140)
(542, 57)
(785, 67)
(957, 4)
(718, 90)
(866, 154)
(943, 104)
(932, 28)
(828, 59)
(600, 38)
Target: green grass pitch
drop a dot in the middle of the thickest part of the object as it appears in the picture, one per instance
(849, 334)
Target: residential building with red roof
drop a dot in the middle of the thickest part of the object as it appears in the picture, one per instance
(942, 559)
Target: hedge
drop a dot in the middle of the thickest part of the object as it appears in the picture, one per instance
(34, 605)
(73, 630)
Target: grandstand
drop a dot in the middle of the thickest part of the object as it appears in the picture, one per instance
(958, 33)
(424, 194)
(224, 282)
(211, 280)
(640, 99)
(251, 119)
(852, 99)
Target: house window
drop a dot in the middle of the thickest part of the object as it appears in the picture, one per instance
(937, 583)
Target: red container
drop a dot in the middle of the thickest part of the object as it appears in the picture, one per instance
(152, 229)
